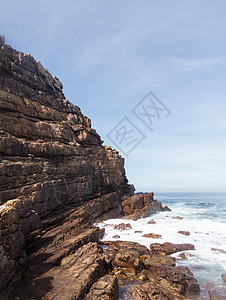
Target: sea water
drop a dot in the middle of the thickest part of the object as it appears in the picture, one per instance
(203, 215)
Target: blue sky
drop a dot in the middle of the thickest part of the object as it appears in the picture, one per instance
(110, 54)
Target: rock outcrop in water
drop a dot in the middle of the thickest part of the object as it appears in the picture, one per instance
(56, 179)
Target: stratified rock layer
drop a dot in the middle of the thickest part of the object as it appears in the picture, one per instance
(51, 160)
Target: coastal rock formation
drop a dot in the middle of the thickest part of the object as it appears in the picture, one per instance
(141, 206)
(53, 165)
(168, 248)
(56, 179)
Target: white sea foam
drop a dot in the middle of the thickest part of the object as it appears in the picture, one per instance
(207, 227)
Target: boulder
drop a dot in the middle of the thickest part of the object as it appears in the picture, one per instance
(128, 258)
(152, 260)
(174, 281)
(123, 226)
(152, 235)
(168, 248)
(184, 232)
(218, 250)
(152, 222)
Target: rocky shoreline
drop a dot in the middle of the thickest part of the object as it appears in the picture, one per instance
(56, 180)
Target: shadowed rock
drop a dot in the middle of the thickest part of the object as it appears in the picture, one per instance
(106, 288)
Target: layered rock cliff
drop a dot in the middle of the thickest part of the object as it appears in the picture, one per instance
(50, 157)
(56, 180)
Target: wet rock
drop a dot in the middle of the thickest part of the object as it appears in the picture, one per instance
(184, 255)
(128, 258)
(223, 276)
(147, 291)
(138, 231)
(218, 250)
(152, 260)
(216, 295)
(116, 236)
(184, 232)
(177, 218)
(168, 248)
(164, 207)
(152, 222)
(106, 288)
(123, 226)
(174, 281)
(152, 235)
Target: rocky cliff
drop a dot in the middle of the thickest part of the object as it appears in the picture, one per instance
(56, 180)
(50, 157)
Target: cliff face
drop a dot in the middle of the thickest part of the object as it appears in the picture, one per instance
(51, 159)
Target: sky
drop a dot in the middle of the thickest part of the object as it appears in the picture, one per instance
(110, 55)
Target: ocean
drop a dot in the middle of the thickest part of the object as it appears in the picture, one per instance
(203, 215)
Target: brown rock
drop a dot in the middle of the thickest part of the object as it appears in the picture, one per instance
(147, 291)
(116, 236)
(218, 250)
(152, 260)
(223, 276)
(184, 232)
(120, 245)
(152, 235)
(123, 226)
(141, 206)
(168, 248)
(184, 255)
(138, 231)
(152, 222)
(177, 218)
(52, 163)
(174, 281)
(106, 288)
(128, 258)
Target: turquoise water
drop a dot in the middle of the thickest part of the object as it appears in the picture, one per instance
(204, 216)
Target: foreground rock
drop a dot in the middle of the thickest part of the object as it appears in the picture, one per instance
(106, 288)
(147, 291)
(168, 248)
(163, 280)
(174, 281)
